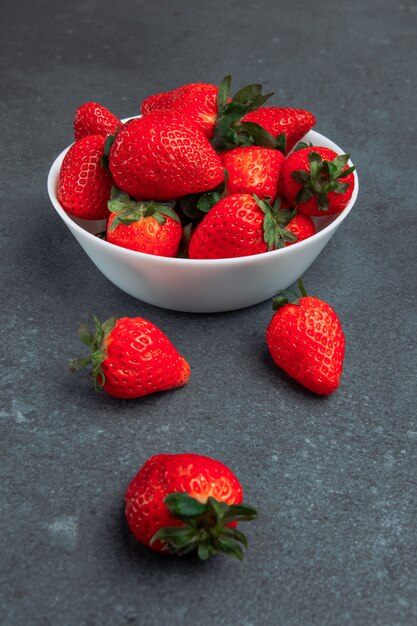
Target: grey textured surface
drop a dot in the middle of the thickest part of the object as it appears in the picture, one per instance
(334, 479)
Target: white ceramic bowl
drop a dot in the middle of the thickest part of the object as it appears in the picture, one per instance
(201, 286)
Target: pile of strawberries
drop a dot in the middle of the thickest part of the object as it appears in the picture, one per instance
(202, 174)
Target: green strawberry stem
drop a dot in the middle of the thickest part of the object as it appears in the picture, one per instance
(230, 131)
(301, 288)
(94, 341)
(275, 220)
(286, 296)
(128, 211)
(322, 179)
(205, 527)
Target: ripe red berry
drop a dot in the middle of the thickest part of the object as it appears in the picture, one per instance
(178, 503)
(196, 102)
(161, 157)
(94, 119)
(306, 340)
(253, 169)
(240, 225)
(84, 184)
(145, 226)
(292, 124)
(318, 181)
(131, 358)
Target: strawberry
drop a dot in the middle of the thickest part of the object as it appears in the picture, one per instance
(288, 125)
(131, 358)
(161, 157)
(318, 180)
(253, 169)
(84, 184)
(215, 113)
(93, 119)
(306, 340)
(240, 225)
(302, 227)
(144, 226)
(178, 503)
(197, 102)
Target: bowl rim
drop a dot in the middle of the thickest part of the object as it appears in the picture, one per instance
(312, 135)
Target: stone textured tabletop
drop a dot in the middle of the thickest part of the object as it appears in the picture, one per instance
(334, 478)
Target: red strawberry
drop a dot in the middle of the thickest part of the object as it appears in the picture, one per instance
(293, 123)
(216, 113)
(183, 502)
(318, 180)
(161, 157)
(306, 340)
(93, 119)
(144, 226)
(302, 227)
(240, 225)
(253, 169)
(131, 358)
(84, 184)
(197, 102)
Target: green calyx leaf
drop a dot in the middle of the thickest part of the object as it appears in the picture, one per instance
(223, 92)
(188, 206)
(94, 341)
(323, 178)
(229, 132)
(225, 136)
(251, 97)
(129, 211)
(195, 205)
(107, 146)
(208, 200)
(275, 221)
(282, 143)
(289, 297)
(253, 134)
(301, 145)
(205, 526)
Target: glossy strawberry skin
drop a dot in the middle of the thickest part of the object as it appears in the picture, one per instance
(302, 227)
(147, 235)
(196, 102)
(161, 157)
(306, 340)
(84, 185)
(232, 228)
(141, 360)
(252, 169)
(295, 123)
(299, 161)
(94, 119)
(199, 476)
